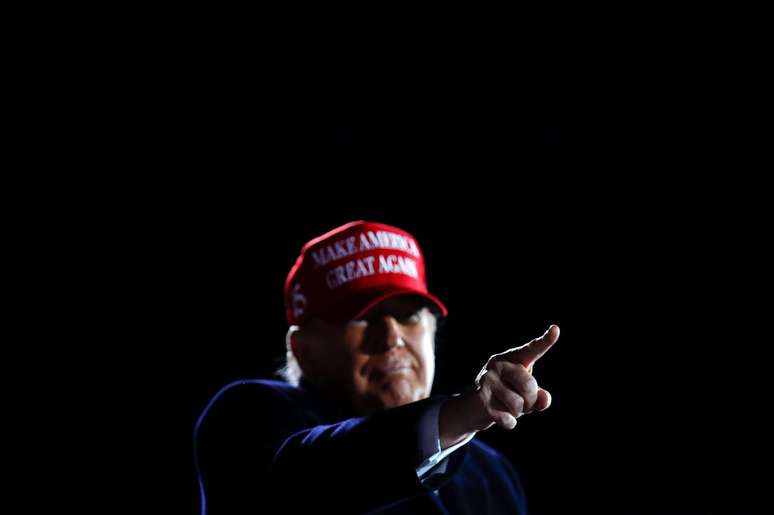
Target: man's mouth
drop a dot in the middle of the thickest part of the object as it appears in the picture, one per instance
(386, 369)
(394, 368)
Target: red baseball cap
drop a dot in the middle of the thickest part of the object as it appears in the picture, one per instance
(345, 272)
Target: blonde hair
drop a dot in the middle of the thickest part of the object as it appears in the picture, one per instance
(290, 371)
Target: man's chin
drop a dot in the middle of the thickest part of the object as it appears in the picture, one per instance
(399, 391)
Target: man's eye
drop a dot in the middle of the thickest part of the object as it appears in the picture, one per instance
(413, 318)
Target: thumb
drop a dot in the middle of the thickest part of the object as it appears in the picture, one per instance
(528, 354)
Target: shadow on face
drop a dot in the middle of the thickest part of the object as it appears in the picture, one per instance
(384, 360)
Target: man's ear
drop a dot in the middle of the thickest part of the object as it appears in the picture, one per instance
(291, 340)
(298, 345)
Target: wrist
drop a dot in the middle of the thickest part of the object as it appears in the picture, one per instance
(455, 422)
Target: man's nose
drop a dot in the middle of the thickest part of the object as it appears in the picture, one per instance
(389, 335)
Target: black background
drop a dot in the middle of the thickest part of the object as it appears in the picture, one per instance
(624, 215)
(603, 183)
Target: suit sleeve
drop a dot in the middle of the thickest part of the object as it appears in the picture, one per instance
(255, 448)
(358, 464)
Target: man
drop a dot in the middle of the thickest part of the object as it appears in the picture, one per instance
(354, 428)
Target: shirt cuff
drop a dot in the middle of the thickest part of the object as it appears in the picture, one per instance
(431, 442)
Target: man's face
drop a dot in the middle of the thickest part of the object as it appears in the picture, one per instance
(385, 360)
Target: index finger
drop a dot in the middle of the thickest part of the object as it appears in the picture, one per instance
(528, 354)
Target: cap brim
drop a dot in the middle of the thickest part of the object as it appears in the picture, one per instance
(361, 303)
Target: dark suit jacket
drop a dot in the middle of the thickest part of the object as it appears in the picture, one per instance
(267, 447)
